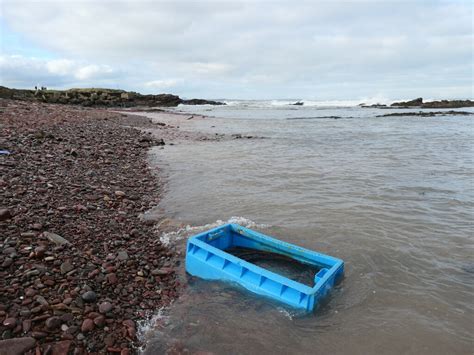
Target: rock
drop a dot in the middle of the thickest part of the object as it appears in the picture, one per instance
(55, 238)
(26, 325)
(87, 325)
(428, 114)
(53, 323)
(111, 278)
(41, 300)
(449, 104)
(162, 272)
(10, 322)
(66, 267)
(99, 321)
(61, 347)
(105, 307)
(5, 214)
(411, 103)
(122, 255)
(89, 296)
(298, 103)
(16, 346)
(119, 193)
(30, 292)
(39, 251)
(7, 262)
(37, 226)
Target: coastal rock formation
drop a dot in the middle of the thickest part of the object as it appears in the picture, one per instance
(100, 98)
(449, 104)
(428, 114)
(411, 103)
(201, 102)
(433, 104)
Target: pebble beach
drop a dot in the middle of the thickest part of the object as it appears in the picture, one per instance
(78, 265)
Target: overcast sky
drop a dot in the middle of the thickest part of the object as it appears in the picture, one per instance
(319, 50)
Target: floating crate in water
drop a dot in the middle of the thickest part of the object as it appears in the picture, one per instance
(206, 257)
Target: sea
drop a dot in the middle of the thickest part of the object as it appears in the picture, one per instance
(391, 196)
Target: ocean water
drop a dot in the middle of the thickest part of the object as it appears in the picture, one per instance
(393, 197)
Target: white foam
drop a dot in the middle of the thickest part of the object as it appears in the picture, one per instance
(147, 327)
(169, 237)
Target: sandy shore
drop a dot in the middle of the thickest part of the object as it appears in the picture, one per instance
(78, 266)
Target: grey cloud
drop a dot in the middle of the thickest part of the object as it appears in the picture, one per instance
(270, 48)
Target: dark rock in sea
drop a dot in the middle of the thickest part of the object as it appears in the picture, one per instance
(428, 114)
(411, 103)
(373, 106)
(434, 104)
(298, 103)
(449, 104)
(202, 102)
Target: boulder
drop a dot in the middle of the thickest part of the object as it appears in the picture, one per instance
(411, 103)
(16, 346)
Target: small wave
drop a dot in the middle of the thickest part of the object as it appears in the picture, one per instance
(147, 327)
(179, 234)
(318, 117)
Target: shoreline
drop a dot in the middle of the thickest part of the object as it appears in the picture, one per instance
(79, 266)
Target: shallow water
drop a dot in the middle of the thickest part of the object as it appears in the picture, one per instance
(392, 197)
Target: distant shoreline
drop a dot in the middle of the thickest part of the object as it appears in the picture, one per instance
(115, 98)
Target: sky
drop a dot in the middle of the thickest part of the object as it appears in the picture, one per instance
(317, 50)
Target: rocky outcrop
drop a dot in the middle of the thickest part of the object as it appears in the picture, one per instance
(434, 104)
(363, 105)
(428, 114)
(449, 104)
(411, 103)
(201, 102)
(100, 98)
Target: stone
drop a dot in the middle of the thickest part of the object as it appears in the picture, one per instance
(61, 347)
(16, 346)
(53, 323)
(122, 255)
(37, 226)
(7, 262)
(87, 325)
(105, 307)
(26, 325)
(112, 278)
(89, 296)
(39, 251)
(41, 300)
(119, 193)
(66, 267)
(162, 272)
(5, 214)
(10, 322)
(55, 238)
(30, 292)
(99, 321)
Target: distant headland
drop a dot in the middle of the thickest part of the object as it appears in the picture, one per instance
(98, 97)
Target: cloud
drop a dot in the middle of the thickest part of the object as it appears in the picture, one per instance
(19, 71)
(162, 84)
(315, 49)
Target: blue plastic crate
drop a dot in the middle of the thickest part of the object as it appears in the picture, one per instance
(206, 258)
